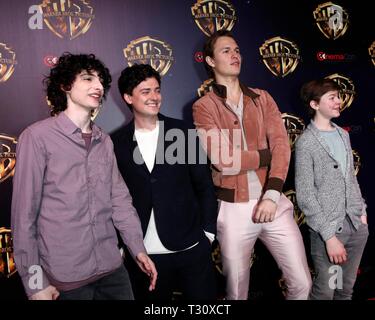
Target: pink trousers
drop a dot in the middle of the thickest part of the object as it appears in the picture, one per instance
(237, 233)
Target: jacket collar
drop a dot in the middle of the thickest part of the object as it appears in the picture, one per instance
(315, 131)
(221, 91)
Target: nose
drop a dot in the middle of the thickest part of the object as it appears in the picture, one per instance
(236, 54)
(98, 85)
(155, 95)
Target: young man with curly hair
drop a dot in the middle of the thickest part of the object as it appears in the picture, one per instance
(68, 195)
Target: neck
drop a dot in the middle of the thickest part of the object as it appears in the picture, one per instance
(145, 122)
(233, 87)
(322, 123)
(81, 118)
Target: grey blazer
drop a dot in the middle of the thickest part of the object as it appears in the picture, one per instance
(324, 194)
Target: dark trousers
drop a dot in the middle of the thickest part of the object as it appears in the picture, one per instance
(115, 286)
(185, 275)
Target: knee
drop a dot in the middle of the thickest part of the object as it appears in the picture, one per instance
(299, 288)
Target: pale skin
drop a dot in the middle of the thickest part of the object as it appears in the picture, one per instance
(326, 108)
(226, 65)
(85, 96)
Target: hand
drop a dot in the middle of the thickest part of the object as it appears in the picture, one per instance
(49, 293)
(264, 211)
(336, 251)
(148, 267)
(364, 219)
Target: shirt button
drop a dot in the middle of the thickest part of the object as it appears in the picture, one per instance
(237, 146)
(153, 180)
(236, 122)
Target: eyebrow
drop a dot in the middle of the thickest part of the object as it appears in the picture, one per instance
(229, 47)
(88, 73)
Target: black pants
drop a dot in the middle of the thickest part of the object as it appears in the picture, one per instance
(115, 286)
(188, 273)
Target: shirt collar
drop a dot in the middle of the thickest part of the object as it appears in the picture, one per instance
(69, 128)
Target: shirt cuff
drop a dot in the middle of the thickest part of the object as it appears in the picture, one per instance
(272, 195)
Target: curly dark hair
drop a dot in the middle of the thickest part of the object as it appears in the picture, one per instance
(132, 76)
(64, 73)
(314, 90)
(209, 46)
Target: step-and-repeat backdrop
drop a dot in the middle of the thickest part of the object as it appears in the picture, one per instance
(283, 43)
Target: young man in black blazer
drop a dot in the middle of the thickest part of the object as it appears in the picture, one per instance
(170, 182)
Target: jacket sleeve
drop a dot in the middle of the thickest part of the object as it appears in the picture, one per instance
(357, 189)
(203, 186)
(225, 155)
(26, 199)
(306, 192)
(124, 216)
(278, 143)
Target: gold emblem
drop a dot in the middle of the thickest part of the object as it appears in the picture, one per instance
(347, 91)
(356, 161)
(299, 217)
(205, 87)
(67, 19)
(7, 156)
(371, 52)
(294, 127)
(280, 56)
(7, 62)
(214, 15)
(7, 265)
(147, 50)
(331, 19)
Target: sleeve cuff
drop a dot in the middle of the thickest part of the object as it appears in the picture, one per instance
(275, 184)
(328, 232)
(272, 195)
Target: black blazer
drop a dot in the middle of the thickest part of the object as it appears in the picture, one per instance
(182, 195)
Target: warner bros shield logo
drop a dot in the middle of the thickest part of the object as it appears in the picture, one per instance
(280, 56)
(154, 52)
(356, 161)
(7, 156)
(68, 19)
(205, 87)
(214, 15)
(294, 127)
(7, 62)
(299, 217)
(7, 264)
(347, 91)
(371, 51)
(331, 19)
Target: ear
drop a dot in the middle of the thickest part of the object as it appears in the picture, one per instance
(128, 98)
(314, 105)
(210, 62)
(66, 89)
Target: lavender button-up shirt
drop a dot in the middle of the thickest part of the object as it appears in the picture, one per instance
(66, 204)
